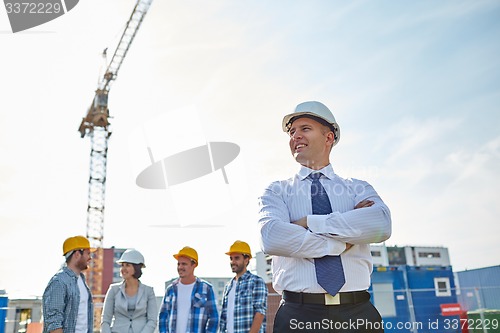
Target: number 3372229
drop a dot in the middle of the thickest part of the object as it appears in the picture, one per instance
(33, 8)
(471, 323)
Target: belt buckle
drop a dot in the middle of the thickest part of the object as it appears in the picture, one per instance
(332, 300)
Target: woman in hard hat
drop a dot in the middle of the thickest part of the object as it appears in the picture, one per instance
(130, 303)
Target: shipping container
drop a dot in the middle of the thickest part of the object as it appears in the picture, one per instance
(409, 298)
(4, 301)
(479, 288)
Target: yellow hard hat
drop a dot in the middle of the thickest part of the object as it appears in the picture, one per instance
(189, 252)
(75, 243)
(240, 247)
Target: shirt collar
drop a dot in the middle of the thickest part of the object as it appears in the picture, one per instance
(245, 276)
(327, 171)
(178, 280)
(70, 272)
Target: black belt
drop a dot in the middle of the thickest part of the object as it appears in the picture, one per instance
(350, 297)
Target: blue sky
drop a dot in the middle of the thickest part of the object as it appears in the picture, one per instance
(414, 86)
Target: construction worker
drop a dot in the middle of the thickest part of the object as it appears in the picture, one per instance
(67, 300)
(130, 306)
(245, 296)
(189, 304)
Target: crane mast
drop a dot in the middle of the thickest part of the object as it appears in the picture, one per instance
(96, 126)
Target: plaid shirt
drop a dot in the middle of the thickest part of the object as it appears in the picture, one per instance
(251, 297)
(60, 302)
(203, 317)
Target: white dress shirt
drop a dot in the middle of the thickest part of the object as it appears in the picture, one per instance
(293, 247)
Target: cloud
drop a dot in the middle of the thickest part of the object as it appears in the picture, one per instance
(477, 165)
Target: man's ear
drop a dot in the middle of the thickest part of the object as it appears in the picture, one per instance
(74, 256)
(330, 137)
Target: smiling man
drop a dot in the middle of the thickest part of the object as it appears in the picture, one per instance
(67, 301)
(318, 227)
(245, 296)
(189, 304)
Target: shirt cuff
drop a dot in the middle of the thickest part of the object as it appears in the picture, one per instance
(336, 247)
(317, 224)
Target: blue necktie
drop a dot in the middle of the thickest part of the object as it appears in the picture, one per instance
(329, 271)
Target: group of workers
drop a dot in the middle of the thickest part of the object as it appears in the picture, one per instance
(189, 304)
(317, 226)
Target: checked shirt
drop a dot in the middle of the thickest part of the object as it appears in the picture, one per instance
(203, 317)
(251, 297)
(60, 302)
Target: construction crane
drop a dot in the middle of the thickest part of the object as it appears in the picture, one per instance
(96, 125)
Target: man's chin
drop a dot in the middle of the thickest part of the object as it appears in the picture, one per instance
(300, 159)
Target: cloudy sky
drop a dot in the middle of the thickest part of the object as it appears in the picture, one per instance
(415, 87)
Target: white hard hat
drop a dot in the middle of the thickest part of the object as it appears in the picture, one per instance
(132, 256)
(314, 109)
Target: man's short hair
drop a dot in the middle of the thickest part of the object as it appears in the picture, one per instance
(318, 119)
